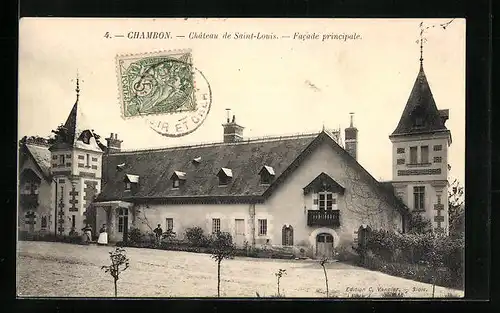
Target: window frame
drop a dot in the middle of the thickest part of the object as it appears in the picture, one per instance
(62, 160)
(176, 183)
(324, 201)
(167, 220)
(216, 222)
(419, 198)
(413, 160)
(262, 226)
(422, 154)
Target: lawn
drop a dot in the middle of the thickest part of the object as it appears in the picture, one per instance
(64, 270)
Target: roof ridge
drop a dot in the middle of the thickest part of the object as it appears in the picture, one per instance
(219, 143)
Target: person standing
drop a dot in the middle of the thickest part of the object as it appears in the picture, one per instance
(87, 234)
(158, 232)
(103, 235)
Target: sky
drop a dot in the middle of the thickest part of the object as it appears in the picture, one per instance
(274, 87)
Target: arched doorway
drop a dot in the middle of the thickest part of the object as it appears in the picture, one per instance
(123, 222)
(324, 245)
(287, 235)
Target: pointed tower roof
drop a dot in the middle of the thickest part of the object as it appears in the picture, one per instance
(421, 114)
(78, 131)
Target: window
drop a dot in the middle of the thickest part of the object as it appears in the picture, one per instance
(88, 160)
(44, 222)
(265, 179)
(438, 147)
(176, 183)
(437, 159)
(413, 155)
(400, 161)
(170, 224)
(400, 150)
(127, 185)
(424, 154)
(122, 219)
(326, 201)
(262, 227)
(215, 225)
(223, 180)
(419, 198)
(73, 221)
(287, 235)
(62, 161)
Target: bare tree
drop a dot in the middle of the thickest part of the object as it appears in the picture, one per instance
(366, 201)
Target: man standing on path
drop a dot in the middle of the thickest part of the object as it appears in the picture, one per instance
(158, 232)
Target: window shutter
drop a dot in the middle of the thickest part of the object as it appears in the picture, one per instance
(315, 201)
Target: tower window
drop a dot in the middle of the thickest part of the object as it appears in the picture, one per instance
(400, 150)
(419, 198)
(437, 159)
(438, 147)
(424, 154)
(88, 160)
(413, 155)
(62, 160)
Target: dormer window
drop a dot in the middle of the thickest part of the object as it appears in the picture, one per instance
(197, 160)
(177, 178)
(131, 182)
(266, 175)
(225, 176)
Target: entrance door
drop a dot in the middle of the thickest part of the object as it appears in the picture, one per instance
(123, 223)
(239, 230)
(324, 246)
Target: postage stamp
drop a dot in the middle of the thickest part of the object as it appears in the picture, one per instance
(162, 89)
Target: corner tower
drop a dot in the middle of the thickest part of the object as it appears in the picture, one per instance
(420, 145)
(76, 168)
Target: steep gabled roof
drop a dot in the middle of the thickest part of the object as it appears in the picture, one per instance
(41, 157)
(420, 114)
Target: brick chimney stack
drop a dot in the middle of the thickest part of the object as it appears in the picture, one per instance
(351, 139)
(114, 144)
(232, 131)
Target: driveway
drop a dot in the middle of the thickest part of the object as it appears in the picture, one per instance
(63, 270)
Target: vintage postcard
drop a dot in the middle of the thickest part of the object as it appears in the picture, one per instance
(254, 158)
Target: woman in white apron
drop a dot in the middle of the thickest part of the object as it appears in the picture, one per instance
(103, 236)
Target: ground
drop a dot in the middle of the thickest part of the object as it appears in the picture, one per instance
(64, 270)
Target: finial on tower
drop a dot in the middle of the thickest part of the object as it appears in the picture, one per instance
(228, 111)
(77, 85)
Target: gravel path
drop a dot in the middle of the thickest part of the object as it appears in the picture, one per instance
(64, 270)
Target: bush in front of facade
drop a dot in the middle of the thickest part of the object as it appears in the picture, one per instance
(196, 237)
(425, 257)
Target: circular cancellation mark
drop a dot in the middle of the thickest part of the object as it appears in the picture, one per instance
(165, 89)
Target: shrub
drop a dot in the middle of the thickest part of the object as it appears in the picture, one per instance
(135, 236)
(196, 237)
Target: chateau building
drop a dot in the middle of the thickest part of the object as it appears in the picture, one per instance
(305, 192)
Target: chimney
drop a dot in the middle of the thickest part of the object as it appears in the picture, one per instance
(351, 139)
(114, 145)
(232, 131)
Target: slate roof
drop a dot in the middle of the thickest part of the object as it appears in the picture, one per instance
(420, 104)
(41, 156)
(245, 159)
(155, 168)
(76, 125)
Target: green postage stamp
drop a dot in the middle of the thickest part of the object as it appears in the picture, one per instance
(162, 88)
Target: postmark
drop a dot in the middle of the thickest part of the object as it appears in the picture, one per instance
(164, 89)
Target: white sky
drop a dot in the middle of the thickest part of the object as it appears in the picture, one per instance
(262, 81)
